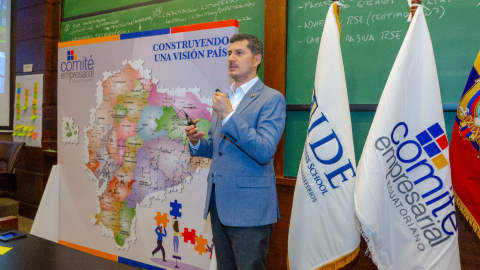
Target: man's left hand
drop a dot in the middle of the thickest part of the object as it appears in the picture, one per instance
(221, 104)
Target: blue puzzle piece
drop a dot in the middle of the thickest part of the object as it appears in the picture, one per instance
(175, 212)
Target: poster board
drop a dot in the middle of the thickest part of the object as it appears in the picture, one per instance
(27, 111)
(125, 169)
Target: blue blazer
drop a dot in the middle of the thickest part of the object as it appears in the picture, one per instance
(242, 159)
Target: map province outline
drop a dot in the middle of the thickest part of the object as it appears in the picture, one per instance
(136, 147)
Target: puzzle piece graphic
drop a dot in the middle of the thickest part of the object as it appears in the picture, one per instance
(175, 212)
(162, 219)
(178, 188)
(189, 236)
(200, 247)
(69, 131)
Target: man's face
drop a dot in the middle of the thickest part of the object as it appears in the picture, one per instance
(242, 65)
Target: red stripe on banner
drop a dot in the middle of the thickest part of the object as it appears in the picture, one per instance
(465, 132)
(443, 142)
(203, 26)
(474, 105)
(464, 163)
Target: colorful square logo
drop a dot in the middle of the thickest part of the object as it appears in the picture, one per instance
(71, 55)
(434, 142)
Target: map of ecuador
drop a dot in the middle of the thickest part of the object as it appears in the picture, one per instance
(136, 146)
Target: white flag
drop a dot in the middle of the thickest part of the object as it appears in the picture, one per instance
(322, 226)
(403, 195)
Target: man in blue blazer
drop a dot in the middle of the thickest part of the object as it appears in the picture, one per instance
(245, 129)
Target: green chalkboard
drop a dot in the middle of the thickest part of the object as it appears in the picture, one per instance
(372, 33)
(74, 8)
(250, 15)
(296, 133)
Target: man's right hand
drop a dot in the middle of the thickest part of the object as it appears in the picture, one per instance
(192, 133)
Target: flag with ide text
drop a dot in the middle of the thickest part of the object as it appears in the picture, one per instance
(465, 149)
(403, 195)
(322, 226)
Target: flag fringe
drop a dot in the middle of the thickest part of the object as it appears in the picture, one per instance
(468, 216)
(367, 235)
(338, 263)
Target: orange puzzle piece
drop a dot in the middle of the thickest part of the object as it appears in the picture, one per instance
(201, 242)
(162, 219)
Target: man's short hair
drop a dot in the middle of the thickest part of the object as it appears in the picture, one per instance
(254, 44)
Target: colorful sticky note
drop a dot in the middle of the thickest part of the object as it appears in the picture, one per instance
(4, 250)
(17, 128)
(26, 100)
(35, 135)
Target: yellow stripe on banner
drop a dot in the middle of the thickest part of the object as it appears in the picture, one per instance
(88, 41)
(440, 161)
(95, 252)
(468, 216)
(338, 263)
(477, 63)
(314, 105)
(335, 10)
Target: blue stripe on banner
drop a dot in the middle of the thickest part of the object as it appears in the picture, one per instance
(164, 31)
(138, 264)
(471, 80)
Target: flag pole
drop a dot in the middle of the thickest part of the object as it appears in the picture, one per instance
(414, 8)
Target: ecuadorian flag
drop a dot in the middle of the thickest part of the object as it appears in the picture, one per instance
(465, 149)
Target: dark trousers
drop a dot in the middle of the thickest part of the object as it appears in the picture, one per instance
(159, 247)
(243, 248)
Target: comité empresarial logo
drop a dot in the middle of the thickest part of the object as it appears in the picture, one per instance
(75, 68)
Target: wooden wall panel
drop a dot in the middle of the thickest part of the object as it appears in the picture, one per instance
(31, 22)
(36, 28)
(6, 137)
(21, 4)
(30, 187)
(469, 244)
(275, 60)
(277, 255)
(41, 52)
(31, 51)
(54, 13)
(50, 80)
(28, 162)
